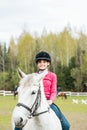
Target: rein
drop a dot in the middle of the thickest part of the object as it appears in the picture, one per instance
(35, 105)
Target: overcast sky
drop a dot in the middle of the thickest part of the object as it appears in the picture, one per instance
(35, 15)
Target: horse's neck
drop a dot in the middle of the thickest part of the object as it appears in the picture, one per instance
(44, 104)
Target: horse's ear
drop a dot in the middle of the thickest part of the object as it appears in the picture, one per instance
(21, 74)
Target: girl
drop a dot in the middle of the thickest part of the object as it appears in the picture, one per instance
(43, 61)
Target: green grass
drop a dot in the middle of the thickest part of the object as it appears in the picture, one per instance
(68, 106)
(7, 104)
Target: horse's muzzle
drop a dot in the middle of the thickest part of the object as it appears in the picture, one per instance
(20, 123)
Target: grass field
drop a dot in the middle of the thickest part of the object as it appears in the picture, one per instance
(75, 113)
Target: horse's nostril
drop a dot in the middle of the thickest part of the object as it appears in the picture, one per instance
(21, 119)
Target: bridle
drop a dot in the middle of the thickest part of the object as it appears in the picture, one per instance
(35, 105)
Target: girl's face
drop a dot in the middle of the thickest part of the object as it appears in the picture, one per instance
(42, 64)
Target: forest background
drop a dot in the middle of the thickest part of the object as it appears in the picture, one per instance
(68, 52)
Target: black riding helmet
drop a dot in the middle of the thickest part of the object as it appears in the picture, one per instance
(43, 56)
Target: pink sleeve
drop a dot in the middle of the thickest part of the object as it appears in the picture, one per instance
(53, 87)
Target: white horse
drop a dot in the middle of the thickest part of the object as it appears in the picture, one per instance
(32, 111)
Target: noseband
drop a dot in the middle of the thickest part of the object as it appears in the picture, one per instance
(35, 105)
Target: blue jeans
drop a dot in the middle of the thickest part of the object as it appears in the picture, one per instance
(64, 122)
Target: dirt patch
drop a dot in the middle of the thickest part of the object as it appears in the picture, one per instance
(77, 120)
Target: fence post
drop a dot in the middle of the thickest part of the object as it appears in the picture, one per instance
(77, 94)
(4, 93)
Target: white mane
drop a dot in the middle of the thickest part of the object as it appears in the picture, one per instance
(27, 80)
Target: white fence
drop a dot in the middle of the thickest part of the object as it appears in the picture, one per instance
(68, 93)
(4, 93)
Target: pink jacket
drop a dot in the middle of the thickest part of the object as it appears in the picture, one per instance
(50, 85)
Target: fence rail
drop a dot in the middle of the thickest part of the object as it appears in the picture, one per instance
(4, 93)
(68, 93)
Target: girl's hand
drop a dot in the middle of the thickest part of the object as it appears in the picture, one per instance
(49, 102)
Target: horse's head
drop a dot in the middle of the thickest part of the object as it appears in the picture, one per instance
(29, 97)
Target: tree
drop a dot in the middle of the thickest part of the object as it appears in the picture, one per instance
(25, 48)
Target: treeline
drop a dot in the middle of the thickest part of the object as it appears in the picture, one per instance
(69, 58)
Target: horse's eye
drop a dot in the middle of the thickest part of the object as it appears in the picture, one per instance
(33, 92)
